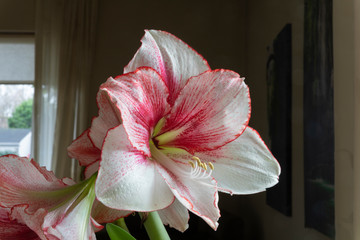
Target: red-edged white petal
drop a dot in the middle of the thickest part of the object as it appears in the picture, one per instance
(128, 180)
(91, 169)
(141, 98)
(243, 166)
(212, 110)
(176, 216)
(22, 181)
(198, 193)
(103, 214)
(173, 59)
(68, 220)
(109, 117)
(96, 226)
(75, 222)
(84, 150)
(48, 206)
(33, 220)
(14, 230)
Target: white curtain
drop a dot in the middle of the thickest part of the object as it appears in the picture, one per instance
(65, 33)
(47, 45)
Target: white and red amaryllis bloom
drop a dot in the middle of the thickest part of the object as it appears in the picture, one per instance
(34, 204)
(171, 133)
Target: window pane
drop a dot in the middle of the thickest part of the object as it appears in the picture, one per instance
(17, 58)
(15, 118)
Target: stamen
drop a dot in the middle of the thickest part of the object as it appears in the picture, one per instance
(211, 165)
(197, 160)
(199, 168)
(203, 165)
(192, 164)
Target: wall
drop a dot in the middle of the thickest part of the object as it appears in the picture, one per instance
(215, 30)
(17, 15)
(9, 148)
(344, 119)
(264, 20)
(25, 146)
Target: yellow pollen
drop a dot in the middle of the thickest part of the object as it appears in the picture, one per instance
(203, 165)
(195, 158)
(192, 164)
(211, 165)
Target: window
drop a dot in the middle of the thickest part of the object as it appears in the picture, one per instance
(16, 92)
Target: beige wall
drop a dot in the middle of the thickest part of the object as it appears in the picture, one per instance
(344, 118)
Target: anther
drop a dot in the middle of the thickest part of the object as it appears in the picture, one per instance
(211, 165)
(192, 164)
(203, 165)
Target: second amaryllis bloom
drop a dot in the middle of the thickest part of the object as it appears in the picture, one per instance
(34, 204)
(170, 129)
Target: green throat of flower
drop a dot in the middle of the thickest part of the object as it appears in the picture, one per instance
(161, 144)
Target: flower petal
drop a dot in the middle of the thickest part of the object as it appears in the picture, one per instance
(76, 223)
(243, 166)
(212, 110)
(12, 229)
(96, 226)
(91, 169)
(33, 220)
(173, 59)
(84, 150)
(176, 216)
(197, 193)
(22, 181)
(103, 214)
(128, 180)
(48, 206)
(109, 117)
(141, 98)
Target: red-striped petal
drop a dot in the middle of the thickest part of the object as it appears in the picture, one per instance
(141, 98)
(197, 192)
(173, 59)
(109, 117)
(84, 150)
(128, 180)
(212, 110)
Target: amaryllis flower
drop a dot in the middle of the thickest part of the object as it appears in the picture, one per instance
(34, 202)
(172, 133)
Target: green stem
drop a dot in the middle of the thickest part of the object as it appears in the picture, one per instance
(121, 223)
(154, 227)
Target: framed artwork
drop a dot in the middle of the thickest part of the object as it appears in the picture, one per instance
(319, 117)
(279, 117)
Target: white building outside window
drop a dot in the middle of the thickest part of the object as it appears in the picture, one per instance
(17, 58)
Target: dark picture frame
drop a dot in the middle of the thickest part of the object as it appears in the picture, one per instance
(279, 86)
